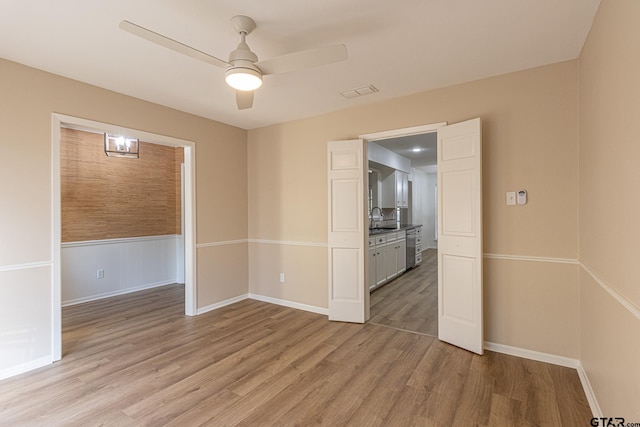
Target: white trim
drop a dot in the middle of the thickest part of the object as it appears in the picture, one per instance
(394, 133)
(288, 243)
(532, 355)
(615, 294)
(56, 239)
(189, 232)
(276, 301)
(25, 367)
(221, 243)
(290, 304)
(116, 293)
(221, 304)
(531, 258)
(26, 265)
(120, 240)
(588, 391)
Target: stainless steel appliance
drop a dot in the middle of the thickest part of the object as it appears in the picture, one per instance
(414, 246)
(411, 248)
(418, 231)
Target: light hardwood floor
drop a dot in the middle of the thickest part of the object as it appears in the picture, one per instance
(410, 302)
(137, 360)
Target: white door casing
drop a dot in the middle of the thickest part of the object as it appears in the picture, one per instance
(347, 219)
(189, 213)
(460, 235)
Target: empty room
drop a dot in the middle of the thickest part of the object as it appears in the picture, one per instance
(239, 280)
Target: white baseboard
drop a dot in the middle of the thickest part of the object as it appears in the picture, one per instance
(588, 391)
(221, 304)
(532, 355)
(554, 360)
(290, 304)
(25, 367)
(116, 293)
(270, 300)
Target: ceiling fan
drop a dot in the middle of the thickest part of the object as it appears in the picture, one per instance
(243, 70)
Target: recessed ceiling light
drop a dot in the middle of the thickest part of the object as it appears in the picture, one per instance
(416, 150)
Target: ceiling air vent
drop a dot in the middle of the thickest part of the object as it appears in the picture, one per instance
(361, 91)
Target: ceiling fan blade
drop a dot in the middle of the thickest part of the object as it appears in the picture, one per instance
(174, 45)
(303, 59)
(244, 99)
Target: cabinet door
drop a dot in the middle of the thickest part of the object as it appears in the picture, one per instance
(405, 190)
(372, 267)
(388, 191)
(381, 264)
(402, 255)
(399, 189)
(392, 259)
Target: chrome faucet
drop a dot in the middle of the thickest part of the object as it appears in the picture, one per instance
(372, 223)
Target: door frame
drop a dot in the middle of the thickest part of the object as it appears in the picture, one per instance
(394, 133)
(189, 230)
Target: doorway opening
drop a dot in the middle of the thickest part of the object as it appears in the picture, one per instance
(403, 292)
(183, 245)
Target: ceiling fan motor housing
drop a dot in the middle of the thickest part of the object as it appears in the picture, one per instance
(243, 75)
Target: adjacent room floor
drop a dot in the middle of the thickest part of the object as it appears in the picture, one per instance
(410, 302)
(137, 360)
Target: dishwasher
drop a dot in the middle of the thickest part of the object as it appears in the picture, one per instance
(411, 248)
(414, 246)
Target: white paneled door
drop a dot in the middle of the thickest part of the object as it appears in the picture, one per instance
(348, 301)
(460, 235)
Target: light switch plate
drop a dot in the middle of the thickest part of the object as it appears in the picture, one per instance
(511, 198)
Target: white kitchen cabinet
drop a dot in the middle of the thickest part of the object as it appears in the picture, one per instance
(381, 259)
(401, 254)
(387, 257)
(392, 255)
(404, 190)
(397, 255)
(395, 190)
(372, 279)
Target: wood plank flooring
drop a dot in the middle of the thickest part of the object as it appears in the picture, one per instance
(410, 302)
(136, 360)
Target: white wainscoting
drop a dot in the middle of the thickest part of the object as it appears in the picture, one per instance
(129, 265)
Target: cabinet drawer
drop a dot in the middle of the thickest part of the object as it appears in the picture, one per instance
(372, 241)
(418, 240)
(418, 231)
(391, 237)
(381, 239)
(402, 234)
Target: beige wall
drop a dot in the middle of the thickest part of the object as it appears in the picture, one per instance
(609, 208)
(278, 195)
(29, 97)
(530, 141)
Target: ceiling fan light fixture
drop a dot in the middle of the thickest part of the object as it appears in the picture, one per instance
(241, 78)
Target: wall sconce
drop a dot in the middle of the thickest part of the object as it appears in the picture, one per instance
(121, 146)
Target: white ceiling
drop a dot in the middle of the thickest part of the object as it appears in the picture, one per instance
(401, 47)
(407, 146)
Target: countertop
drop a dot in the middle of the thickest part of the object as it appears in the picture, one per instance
(376, 231)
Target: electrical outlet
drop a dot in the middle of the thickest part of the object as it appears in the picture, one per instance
(281, 277)
(100, 273)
